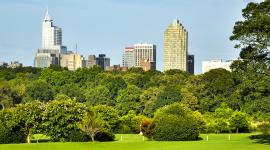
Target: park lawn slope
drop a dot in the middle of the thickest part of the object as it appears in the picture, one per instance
(135, 142)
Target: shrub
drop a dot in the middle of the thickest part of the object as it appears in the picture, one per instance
(148, 127)
(11, 130)
(239, 122)
(11, 135)
(176, 123)
(264, 127)
(104, 136)
(78, 136)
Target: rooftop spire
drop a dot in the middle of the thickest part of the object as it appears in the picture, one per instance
(47, 16)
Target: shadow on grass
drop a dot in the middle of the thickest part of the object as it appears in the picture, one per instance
(40, 141)
(261, 139)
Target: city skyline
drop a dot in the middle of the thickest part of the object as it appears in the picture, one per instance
(12, 50)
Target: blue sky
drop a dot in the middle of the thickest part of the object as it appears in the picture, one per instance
(107, 26)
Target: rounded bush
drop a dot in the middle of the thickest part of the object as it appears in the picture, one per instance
(104, 136)
(78, 136)
(11, 135)
(176, 123)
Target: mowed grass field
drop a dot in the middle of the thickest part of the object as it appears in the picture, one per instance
(135, 142)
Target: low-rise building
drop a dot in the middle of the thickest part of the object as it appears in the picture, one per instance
(147, 65)
(72, 61)
(46, 57)
(216, 63)
(116, 68)
(15, 64)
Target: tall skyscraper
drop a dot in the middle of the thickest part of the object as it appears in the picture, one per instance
(49, 53)
(129, 57)
(175, 47)
(51, 35)
(191, 62)
(103, 61)
(144, 51)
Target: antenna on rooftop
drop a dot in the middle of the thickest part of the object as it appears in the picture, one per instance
(76, 48)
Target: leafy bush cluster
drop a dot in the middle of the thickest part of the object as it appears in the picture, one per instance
(59, 119)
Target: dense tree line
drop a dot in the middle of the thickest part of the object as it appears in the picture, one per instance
(89, 102)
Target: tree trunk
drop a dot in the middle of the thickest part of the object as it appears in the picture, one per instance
(3, 106)
(93, 137)
(29, 136)
(28, 139)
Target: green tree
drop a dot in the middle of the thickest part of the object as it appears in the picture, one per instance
(175, 123)
(148, 98)
(5, 95)
(109, 115)
(29, 115)
(189, 99)
(61, 117)
(99, 95)
(91, 124)
(240, 122)
(11, 130)
(129, 99)
(169, 95)
(252, 33)
(73, 91)
(39, 90)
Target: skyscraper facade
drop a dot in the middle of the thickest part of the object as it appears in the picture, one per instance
(49, 53)
(191, 62)
(129, 57)
(175, 47)
(144, 51)
(72, 61)
(103, 61)
(51, 35)
(44, 58)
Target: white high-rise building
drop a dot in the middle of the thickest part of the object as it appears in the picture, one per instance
(49, 53)
(144, 51)
(129, 57)
(215, 64)
(51, 35)
(141, 52)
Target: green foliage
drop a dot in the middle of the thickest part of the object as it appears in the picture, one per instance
(129, 99)
(264, 127)
(104, 136)
(175, 123)
(148, 128)
(131, 123)
(91, 124)
(149, 98)
(77, 136)
(39, 90)
(99, 95)
(109, 115)
(73, 91)
(169, 95)
(10, 129)
(61, 117)
(240, 122)
(11, 135)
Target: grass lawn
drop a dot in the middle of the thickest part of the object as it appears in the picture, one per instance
(135, 142)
